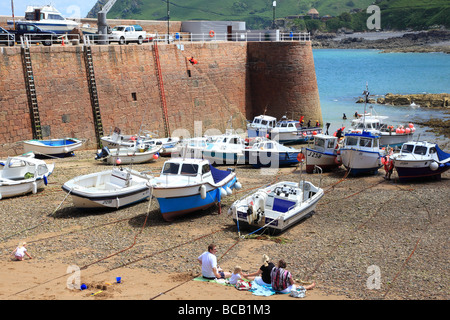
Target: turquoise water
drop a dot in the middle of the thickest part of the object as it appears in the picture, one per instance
(342, 76)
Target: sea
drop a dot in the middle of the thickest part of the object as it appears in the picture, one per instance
(343, 74)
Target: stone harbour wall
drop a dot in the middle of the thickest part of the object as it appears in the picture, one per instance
(232, 80)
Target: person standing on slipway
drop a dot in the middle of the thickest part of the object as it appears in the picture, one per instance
(210, 269)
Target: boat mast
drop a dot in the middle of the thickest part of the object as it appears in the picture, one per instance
(12, 10)
(366, 95)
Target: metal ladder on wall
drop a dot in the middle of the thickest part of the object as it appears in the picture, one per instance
(93, 92)
(31, 90)
(161, 92)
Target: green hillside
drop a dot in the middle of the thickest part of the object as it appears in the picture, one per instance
(258, 14)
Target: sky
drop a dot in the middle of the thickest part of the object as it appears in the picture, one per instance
(68, 8)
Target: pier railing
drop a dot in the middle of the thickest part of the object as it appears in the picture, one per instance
(177, 38)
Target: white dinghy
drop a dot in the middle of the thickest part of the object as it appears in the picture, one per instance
(23, 174)
(113, 188)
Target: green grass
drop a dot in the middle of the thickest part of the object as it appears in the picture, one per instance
(395, 14)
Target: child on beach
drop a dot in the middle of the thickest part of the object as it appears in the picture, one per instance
(20, 252)
(236, 275)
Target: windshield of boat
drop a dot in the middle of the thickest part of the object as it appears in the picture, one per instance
(171, 168)
(189, 169)
(365, 142)
(319, 142)
(407, 148)
(351, 141)
(420, 150)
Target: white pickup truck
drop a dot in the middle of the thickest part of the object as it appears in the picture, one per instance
(127, 33)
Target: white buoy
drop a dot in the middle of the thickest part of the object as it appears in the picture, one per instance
(203, 191)
(434, 166)
(34, 187)
(238, 185)
(229, 191)
(223, 192)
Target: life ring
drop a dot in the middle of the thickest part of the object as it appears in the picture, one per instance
(211, 33)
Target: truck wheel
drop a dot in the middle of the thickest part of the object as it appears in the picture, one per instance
(47, 43)
(140, 40)
(122, 40)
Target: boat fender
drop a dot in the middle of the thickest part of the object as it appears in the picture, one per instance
(203, 191)
(34, 187)
(0, 196)
(238, 185)
(234, 211)
(66, 150)
(434, 166)
(229, 191)
(223, 192)
(45, 180)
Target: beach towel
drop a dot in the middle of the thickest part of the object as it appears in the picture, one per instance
(220, 281)
(259, 290)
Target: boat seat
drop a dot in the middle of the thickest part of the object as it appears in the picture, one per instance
(282, 205)
(112, 186)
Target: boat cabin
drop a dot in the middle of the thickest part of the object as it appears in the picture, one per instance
(186, 167)
(289, 124)
(421, 149)
(325, 143)
(364, 140)
(263, 121)
(42, 13)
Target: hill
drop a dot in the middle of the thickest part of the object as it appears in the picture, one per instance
(258, 14)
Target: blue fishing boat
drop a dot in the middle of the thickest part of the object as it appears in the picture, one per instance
(52, 147)
(186, 185)
(269, 153)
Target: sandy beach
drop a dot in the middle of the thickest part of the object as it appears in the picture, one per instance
(361, 222)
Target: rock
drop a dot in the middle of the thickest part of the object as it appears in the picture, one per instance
(441, 100)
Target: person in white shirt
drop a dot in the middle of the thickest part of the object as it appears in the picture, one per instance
(210, 269)
(236, 275)
(20, 252)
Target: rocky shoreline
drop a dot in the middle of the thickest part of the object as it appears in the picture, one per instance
(428, 100)
(426, 41)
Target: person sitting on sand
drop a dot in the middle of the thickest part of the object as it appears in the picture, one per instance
(20, 252)
(210, 269)
(262, 276)
(282, 281)
(236, 275)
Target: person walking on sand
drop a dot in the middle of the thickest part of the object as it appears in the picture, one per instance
(208, 261)
(262, 276)
(20, 252)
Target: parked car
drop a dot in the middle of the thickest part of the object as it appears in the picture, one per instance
(34, 33)
(6, 37)
(125, 34)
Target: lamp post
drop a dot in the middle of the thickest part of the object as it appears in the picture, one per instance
(274, 4)
(168, 21)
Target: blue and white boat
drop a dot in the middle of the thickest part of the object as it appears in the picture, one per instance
(269, 153)
(322, 153)
(361, 152)
(47, 18)
(226, 149)
(186, 185)
(261, 126)
(52, 147)
(291, 131)
(276, 207)
(420, 159)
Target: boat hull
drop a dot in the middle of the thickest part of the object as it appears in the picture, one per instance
(17, 188)
(96, 191)
(178, 201)
(325, 160)
(299, 136)
(271, 159)
(394, 139)
(360, 161)
(410, 170)
(222, 157)
(53, 147)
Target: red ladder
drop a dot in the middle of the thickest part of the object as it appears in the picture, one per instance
(162, 94)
